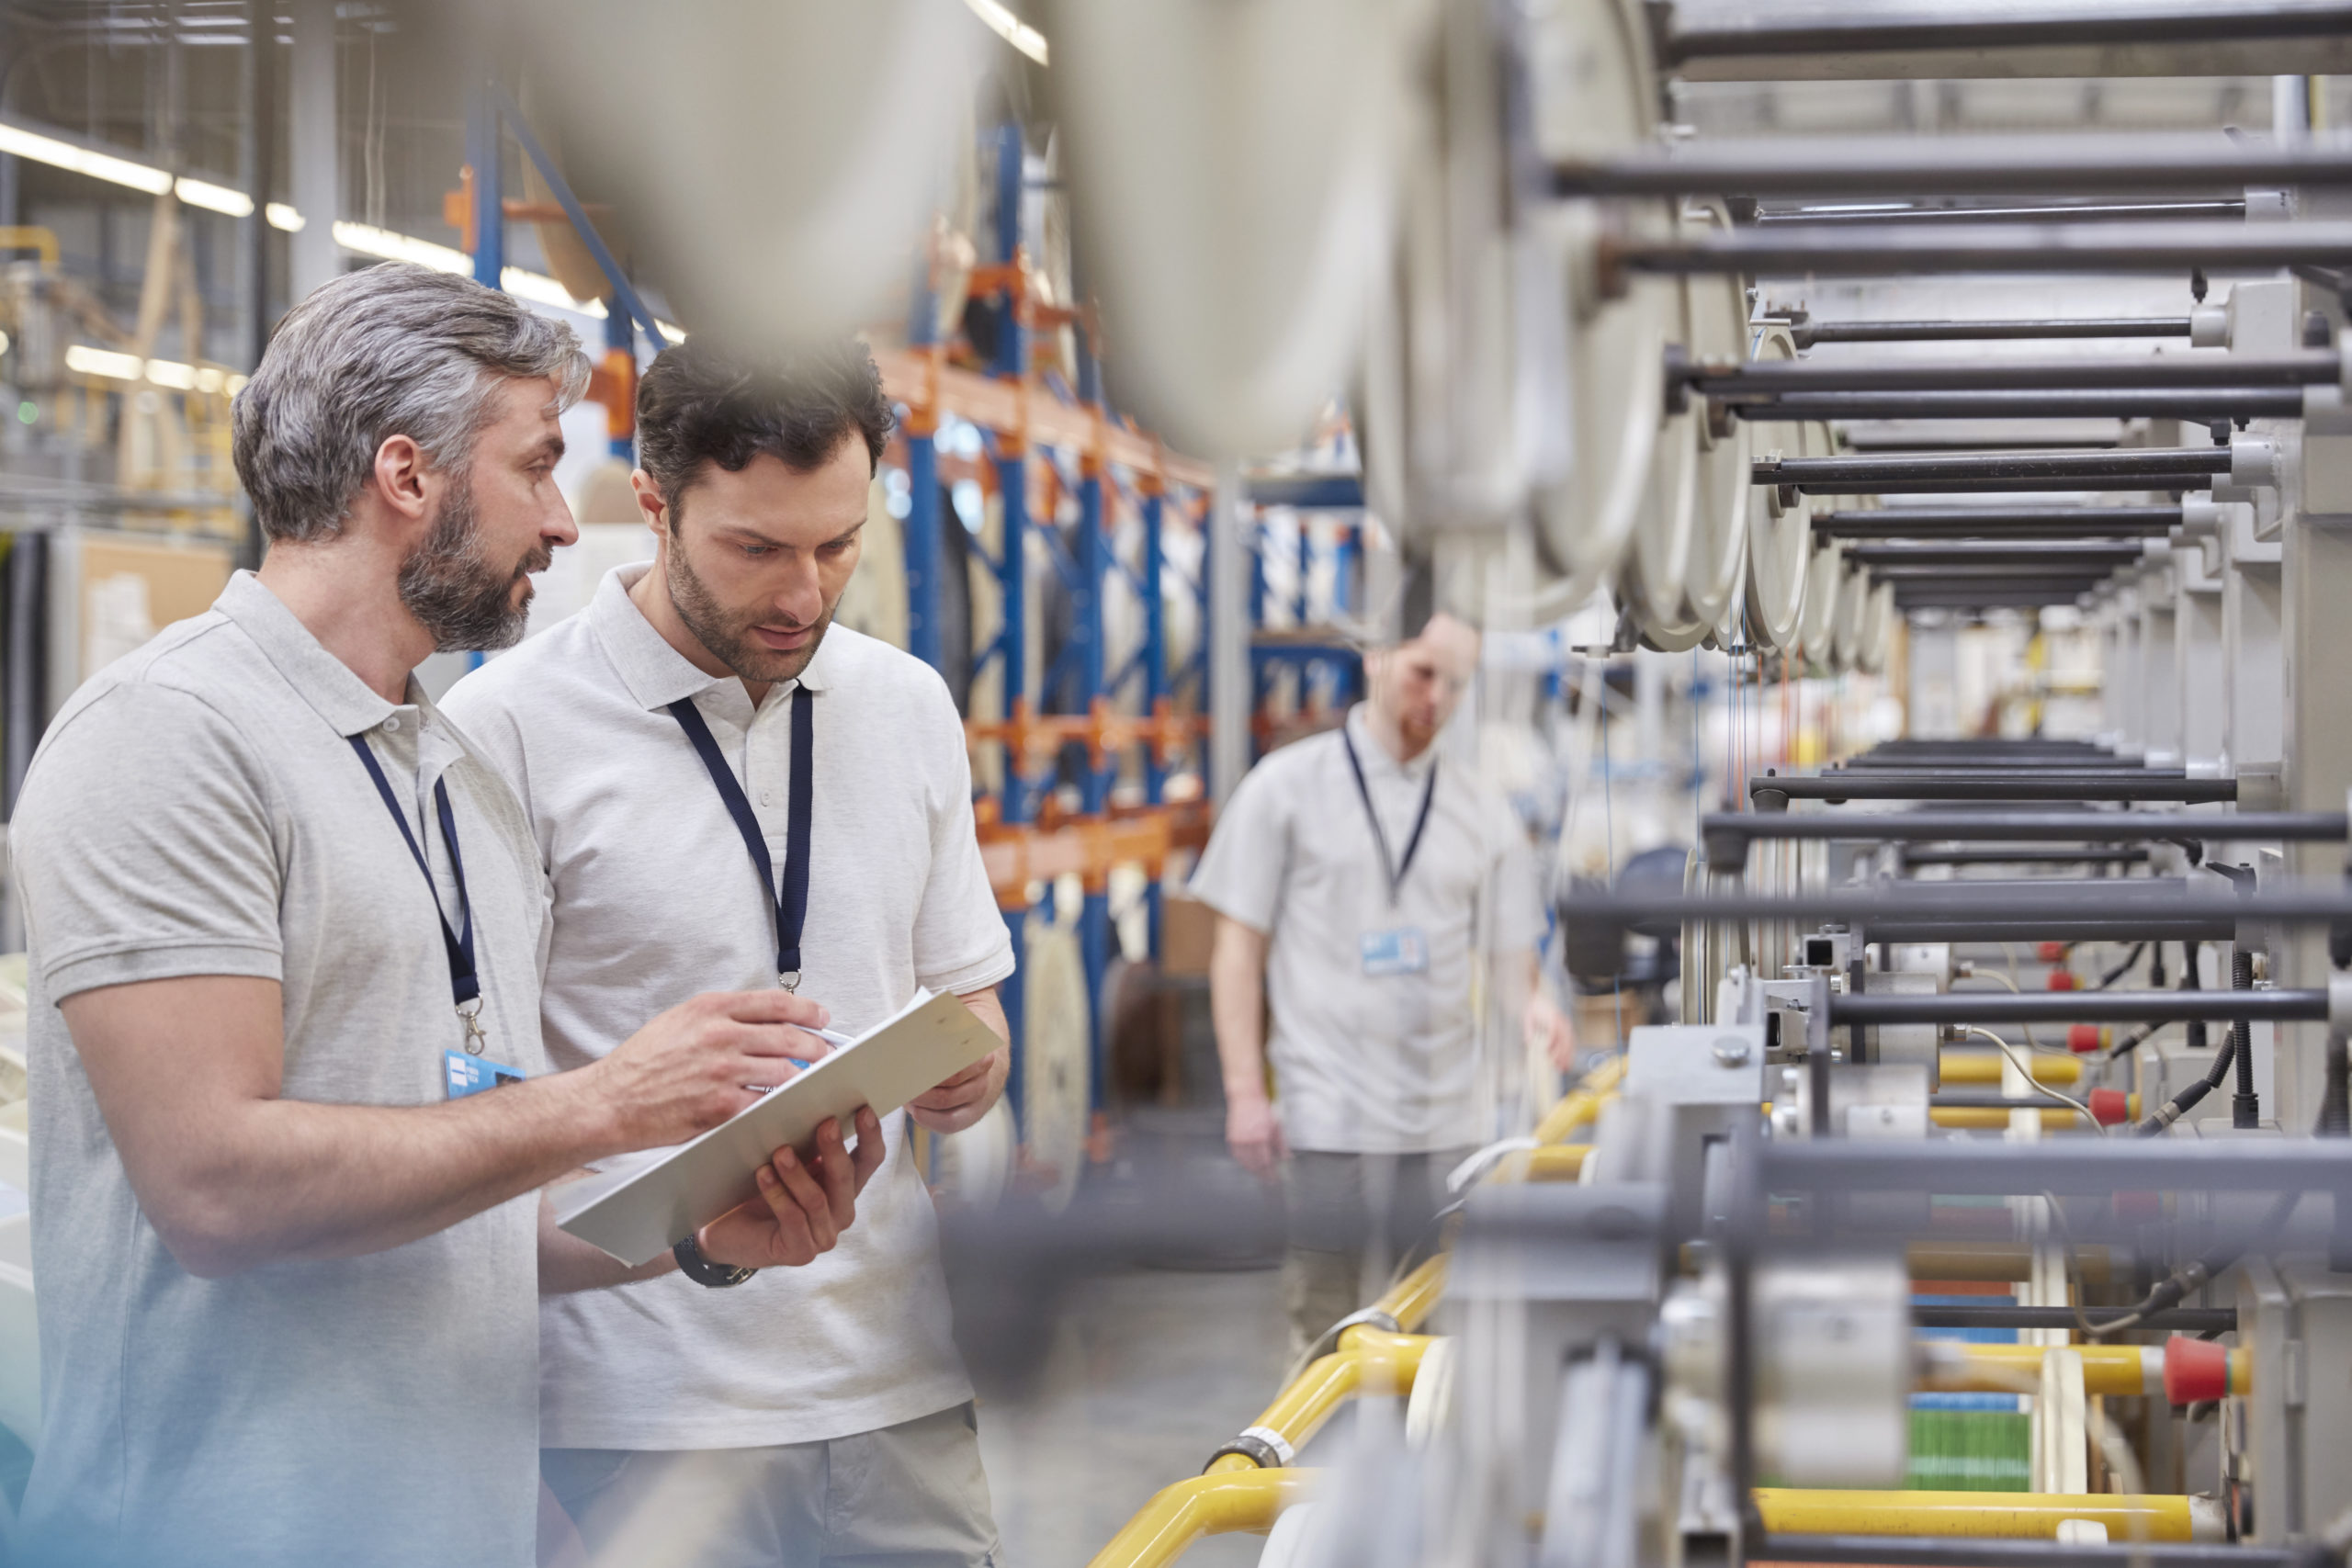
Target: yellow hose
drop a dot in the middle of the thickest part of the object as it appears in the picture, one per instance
(2055, 1118)
(1983, 1068)
(1222, 1503)
(1999, 1260)
(2009, 1515)
(1410, 1300)
(1554, 1162)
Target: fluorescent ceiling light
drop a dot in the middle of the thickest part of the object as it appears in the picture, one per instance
(85, 360)
(369, 241)
(23, 143)
(216, 198)
(999, 20)
(281, 216)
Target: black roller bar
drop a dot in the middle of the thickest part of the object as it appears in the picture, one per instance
(2036, 766)
(2300, 1006)
(1776, 378)
(2101, 1165)
(1999, 523)
(2006, 598)
(1979, 1551)
(1877, 249)
(2081, 402)
(2024, 854)
(2048, 213)
(1807, 333)
(1914, 167)
(2050, 899)
(2107, 928)
(2034, 552)
(1879, 28)
(2170, 1320)
(2026, 827)
(2188, 792)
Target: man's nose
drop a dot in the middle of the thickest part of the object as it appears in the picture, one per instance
(802, 598)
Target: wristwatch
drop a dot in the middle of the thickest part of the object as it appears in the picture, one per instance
(702, 1271)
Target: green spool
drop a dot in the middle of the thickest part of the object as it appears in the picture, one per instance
(1970, 1450)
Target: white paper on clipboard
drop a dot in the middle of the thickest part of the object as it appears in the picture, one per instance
(639, 1206)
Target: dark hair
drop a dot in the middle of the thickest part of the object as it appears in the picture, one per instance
(701, 403)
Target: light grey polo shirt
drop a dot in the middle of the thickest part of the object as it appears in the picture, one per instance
(656, 899)
(1370, 1062)
(196, 809)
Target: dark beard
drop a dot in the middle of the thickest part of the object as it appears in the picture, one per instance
(464, 601)
(731, 641)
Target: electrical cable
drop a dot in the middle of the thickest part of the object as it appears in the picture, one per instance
(2192, 977)
(2180, 1104)
(2130, 960)
(2245, 1107)
(2033, 1083)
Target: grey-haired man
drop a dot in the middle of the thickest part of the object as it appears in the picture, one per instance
(284, 925)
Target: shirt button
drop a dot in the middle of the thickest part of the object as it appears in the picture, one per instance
(391, 724)
(767, 799)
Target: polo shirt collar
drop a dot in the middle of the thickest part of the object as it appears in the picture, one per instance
(1376, 757)
(655, 674)
(332, 687)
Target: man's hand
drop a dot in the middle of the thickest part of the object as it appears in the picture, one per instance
(1255, 1137)
(962, 1099)
(689, 1069)
(1549, 1028)
(798, 1216)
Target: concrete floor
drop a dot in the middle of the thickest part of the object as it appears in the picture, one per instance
(1149, 1370)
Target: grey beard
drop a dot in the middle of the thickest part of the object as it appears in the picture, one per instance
(464, 601)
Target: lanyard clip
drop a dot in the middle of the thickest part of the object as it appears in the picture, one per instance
(469, 1013)
(790, 980)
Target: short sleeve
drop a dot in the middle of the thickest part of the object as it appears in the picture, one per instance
(1241, 873)
(1519, 901)
(143, 849)
(961, 943)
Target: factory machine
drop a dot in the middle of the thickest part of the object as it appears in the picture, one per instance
(1990, 1200)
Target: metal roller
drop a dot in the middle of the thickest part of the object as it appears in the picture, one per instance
(1817, 626)
(1779, 528)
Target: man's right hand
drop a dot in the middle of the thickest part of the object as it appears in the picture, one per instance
(689, 1069)
(1255, 1137)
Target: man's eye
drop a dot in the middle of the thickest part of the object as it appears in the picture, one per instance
(755, 552)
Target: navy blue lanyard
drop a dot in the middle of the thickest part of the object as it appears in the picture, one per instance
(464, 985)
(792, 899)
(1412, 845)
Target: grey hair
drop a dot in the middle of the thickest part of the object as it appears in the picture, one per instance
(395, 349)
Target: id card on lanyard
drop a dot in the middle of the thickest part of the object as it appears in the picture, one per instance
(790, 897)
(465, 1072)
(1396, 950)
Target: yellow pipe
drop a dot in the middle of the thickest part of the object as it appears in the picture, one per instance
(1578, 1108)
(31, 237)
(1368, 1360)
(2126, 1372)
(2009, 1516)
(2055, 1118)
(1410, 1300)
(1555, 1162)
(1217, 1504)
(1981, 1067)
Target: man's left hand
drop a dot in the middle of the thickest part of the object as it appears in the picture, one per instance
(1548, 1029)
(962, 1099)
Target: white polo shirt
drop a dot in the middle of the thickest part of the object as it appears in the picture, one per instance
(1378, 1057)
(195, 809)
(656, 899)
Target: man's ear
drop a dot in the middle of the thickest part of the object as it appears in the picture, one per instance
(404, 483)
(650, 504)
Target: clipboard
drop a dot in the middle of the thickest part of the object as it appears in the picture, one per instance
(639, 1206)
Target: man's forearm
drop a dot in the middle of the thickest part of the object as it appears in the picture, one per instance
(1238, 1014)
(299, 1181)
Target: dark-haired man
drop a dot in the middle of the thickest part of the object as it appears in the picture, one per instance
(285, 923)
(690, 749)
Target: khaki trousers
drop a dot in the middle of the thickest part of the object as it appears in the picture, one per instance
(1351, 1216)
(911, 1495)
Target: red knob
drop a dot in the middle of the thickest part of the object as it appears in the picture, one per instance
(2084, 1038)
(2062, 980)
(2109, 1106)
(2052, 952)
(2194, 1370)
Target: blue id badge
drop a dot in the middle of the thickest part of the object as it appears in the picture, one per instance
(1402, 949)
(471, 1074)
